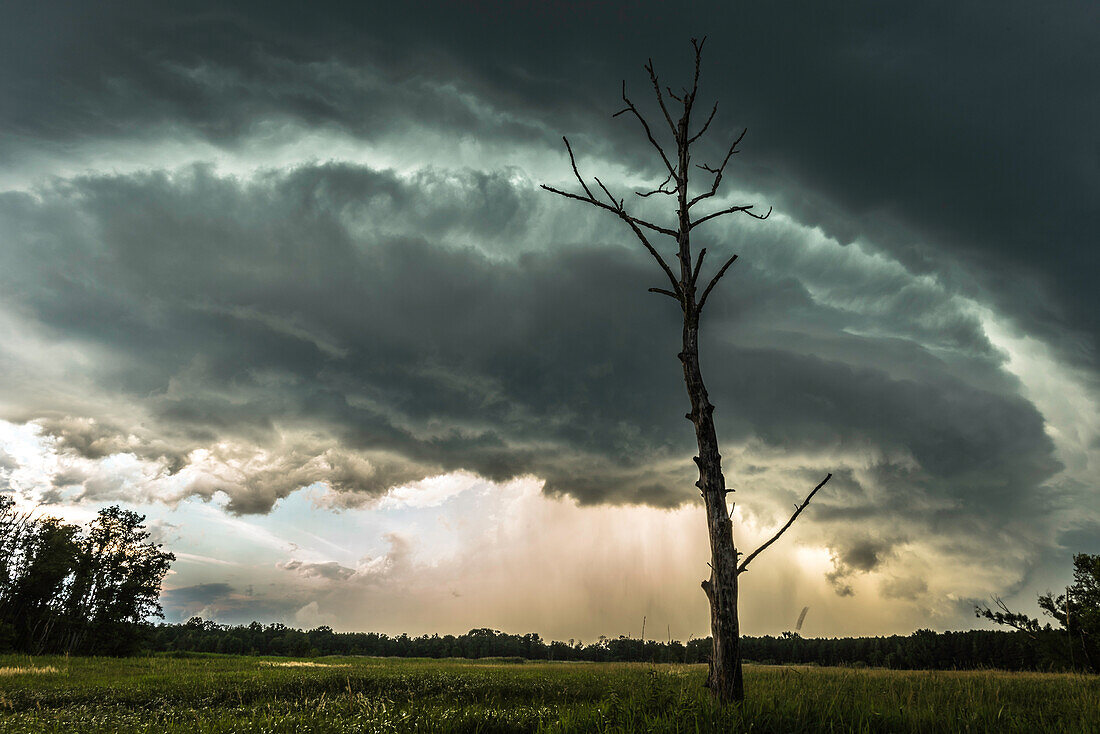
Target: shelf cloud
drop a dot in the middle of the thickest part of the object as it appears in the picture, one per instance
(249, 252)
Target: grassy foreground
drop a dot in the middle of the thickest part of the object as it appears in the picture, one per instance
(239, 694)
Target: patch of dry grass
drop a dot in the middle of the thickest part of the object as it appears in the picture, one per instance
(29, 670)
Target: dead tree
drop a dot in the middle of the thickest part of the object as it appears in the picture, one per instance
(684, 287)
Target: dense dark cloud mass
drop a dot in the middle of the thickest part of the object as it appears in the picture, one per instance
(955, 136)
(248, 323)
(258, 248)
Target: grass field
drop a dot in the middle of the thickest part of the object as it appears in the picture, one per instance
(231, 694)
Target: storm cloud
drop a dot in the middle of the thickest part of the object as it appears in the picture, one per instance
(250, 250)
(259, 337)
(955, 136)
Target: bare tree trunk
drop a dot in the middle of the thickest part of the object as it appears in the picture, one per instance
(725, 679)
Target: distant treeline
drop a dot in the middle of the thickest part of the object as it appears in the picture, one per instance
(923, 649)
(64, 589)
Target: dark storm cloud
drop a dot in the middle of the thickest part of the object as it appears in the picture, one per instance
(366, 328)
(270, 326)
(959, 137)
(863, 554)
(225, 75)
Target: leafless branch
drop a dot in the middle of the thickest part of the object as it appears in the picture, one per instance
(614, 206)
(805, 503)
(657, 88)
(714, 281)
(617, 207)
(659, 190)
(698, 265)
(732, 210)
(706, 124)
(617, 203)
(730, 152)
(573, 163)
(698, 46)
(632, 221)
(660, 261)
(717, 171)
(664, 292)
(649, 133)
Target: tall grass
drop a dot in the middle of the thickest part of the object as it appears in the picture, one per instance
(238, 694)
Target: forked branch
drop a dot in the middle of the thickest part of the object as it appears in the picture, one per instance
(617, 207)
(706, 124)
(719, 170)
(659, 190)
(645, 125)
(660, 98)
(714, 280)
(797, 512)
(689, 97)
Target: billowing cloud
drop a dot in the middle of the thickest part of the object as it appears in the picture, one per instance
(418, 358)
(853, 125)
(270, 339)
(234, 270)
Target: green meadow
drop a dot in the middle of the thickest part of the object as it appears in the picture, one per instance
(213, 693)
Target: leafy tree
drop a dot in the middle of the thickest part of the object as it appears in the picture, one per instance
(1077, 612)
(50, 549)
(62, 590)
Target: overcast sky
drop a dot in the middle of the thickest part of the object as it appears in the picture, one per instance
(284, 281)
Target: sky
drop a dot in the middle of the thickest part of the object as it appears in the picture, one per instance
(283, 280)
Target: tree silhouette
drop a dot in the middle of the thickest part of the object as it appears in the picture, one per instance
(62, 590)
(725, 680)
(1077, 611)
